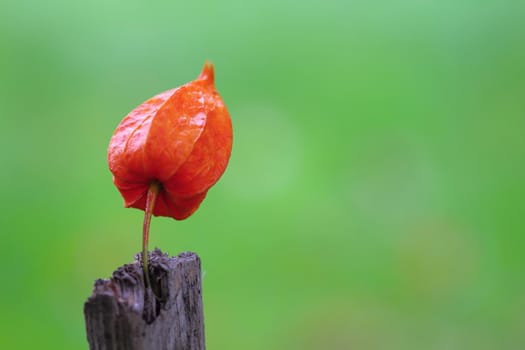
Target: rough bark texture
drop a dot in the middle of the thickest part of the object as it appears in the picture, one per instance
(121, 314)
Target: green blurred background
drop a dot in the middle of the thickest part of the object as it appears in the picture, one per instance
(374, 198)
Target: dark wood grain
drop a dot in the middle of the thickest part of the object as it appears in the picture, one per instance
(122, 314)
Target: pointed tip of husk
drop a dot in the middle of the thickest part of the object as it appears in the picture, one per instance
(208, 73)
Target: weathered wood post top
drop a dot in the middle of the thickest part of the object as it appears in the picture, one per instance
(122, 314)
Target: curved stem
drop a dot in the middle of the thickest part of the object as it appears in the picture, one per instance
(151, 198)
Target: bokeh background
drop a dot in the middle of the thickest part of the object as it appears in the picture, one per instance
(374, 198)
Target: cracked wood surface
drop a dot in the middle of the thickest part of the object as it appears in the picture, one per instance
(122, 314)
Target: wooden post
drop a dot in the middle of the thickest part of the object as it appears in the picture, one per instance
(122, 315)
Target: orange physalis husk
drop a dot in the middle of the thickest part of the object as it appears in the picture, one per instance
(180, 139)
